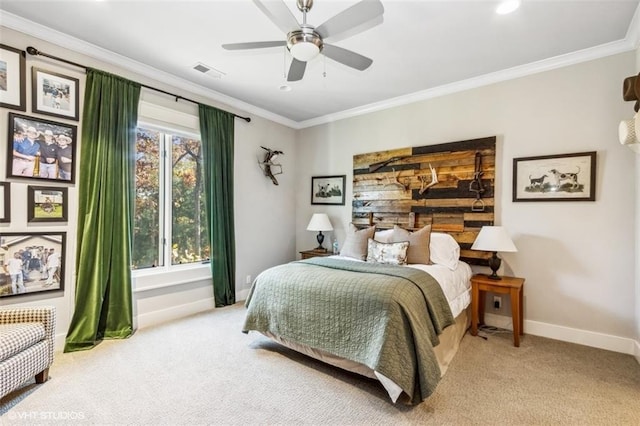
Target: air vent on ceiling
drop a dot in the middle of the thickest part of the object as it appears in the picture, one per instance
(208, 71)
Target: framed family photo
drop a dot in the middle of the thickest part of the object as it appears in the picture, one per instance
(54, 94)
(46, 204)
(40, 149)
(12, 78)
(5, 197)
(328, 190)
(31, 262)
(564, 177)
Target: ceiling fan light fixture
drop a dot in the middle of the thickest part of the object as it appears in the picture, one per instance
(507, 6)
(304, 45)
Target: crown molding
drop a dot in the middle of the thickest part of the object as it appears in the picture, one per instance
(52, 36)
(630, 42)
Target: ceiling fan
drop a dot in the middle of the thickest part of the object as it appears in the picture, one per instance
(305, 41)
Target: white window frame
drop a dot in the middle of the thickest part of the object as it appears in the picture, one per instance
(170, 122)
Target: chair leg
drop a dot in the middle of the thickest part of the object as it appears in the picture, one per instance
(42, 376)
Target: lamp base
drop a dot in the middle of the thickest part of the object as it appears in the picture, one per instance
(320, 239)
(494, 264)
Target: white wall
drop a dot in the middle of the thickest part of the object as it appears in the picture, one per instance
(637, 216)
(264, 213)
(578, 258)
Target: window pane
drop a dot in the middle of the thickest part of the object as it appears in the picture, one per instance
(146, 232)
(189, 235)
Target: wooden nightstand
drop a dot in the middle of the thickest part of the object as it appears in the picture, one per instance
(308, 254)
(507, 285)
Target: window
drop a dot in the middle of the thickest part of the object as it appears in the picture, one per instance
(170, 226)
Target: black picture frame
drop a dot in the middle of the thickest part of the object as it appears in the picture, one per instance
(328, 190)
(47, 204)
(25, 164)
(13, 91)
(54, 94)
(38, 272)
(5, 202)
(561, 177)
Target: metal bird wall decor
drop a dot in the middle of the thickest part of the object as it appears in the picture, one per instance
(268, 166)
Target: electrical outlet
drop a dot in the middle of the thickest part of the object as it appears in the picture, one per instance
(248, 279)
(497, 302)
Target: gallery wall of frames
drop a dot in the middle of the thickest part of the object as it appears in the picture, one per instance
(41, 104)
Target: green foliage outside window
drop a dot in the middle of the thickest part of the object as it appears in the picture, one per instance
(188, 239)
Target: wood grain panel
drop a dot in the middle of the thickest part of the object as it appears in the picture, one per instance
(394, 194)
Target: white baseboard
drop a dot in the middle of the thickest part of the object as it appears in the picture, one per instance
(58, 342)
(158, 317)
(573, 335)
(242, 295)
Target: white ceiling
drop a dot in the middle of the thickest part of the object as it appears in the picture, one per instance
(421, 49)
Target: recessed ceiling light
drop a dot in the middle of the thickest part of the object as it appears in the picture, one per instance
(507, 7)
(285, 88)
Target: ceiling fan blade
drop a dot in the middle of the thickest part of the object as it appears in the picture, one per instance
(346, 57)
(356, 15)
(253, 45)
(279, 14)
(296, 70)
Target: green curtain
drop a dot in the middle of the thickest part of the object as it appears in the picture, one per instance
(103, 304)
(216, 130)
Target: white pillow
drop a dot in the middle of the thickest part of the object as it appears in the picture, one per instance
(383, 236)
(444, 250)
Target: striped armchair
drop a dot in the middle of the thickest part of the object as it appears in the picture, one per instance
(26, 345)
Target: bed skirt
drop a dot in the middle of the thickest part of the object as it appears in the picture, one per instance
(445, 352)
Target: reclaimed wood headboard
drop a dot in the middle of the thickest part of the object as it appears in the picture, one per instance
(396, 188)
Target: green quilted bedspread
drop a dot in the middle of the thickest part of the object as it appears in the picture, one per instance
(385, 317)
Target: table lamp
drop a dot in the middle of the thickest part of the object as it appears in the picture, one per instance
(320, 222)
(495, 239)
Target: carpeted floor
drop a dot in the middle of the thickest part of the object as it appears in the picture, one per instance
(203, 370)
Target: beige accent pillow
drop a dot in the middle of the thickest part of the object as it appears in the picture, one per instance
(355, 245)
(418, 251)
(389, 253)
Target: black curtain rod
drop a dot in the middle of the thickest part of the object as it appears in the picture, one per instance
(35, 52)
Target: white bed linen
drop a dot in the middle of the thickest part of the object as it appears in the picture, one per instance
(455, 284)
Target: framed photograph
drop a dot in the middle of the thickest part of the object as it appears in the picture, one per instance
(5, 203)
(41, 149)
(12, 78)
(565, 177)
(46, 204)
(328, 190)
(54, 94)
(31, 262)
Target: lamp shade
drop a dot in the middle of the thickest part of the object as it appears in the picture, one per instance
(493, 238)
(319, 222)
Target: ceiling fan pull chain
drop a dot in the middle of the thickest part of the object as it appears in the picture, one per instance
(324, 65)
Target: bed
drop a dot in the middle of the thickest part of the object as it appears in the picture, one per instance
(400, 324)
